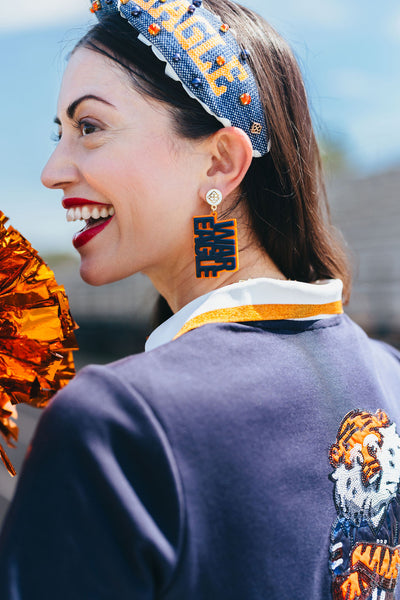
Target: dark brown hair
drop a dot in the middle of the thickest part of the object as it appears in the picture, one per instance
(284, 191)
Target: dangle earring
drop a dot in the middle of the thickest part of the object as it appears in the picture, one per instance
(215, 242)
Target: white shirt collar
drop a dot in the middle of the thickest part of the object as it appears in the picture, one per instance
(250, 292)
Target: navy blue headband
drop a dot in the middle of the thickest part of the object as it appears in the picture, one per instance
(203, 54)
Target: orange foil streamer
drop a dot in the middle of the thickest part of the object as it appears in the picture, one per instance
(36, 332)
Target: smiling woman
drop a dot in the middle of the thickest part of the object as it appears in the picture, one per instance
(118, 149)
(200, 468)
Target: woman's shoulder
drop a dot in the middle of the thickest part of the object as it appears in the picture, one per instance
(101, 397)
(101, 421)
(105, 466)
(385, 349)
(108, 406)
(118, 395)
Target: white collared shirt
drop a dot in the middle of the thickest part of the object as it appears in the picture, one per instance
(251, 292)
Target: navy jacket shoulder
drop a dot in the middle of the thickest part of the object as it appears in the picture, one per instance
(98, 507)
(199, 470)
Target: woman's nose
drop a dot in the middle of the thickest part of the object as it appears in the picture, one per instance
(60, 170)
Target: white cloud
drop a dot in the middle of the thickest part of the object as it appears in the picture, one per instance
(29, 14)
(375, 136)
(370, 115)
(330, 14)
(364, 91)
(353, 84)
(393, 27)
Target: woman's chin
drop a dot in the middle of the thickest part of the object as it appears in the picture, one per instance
(94, 276)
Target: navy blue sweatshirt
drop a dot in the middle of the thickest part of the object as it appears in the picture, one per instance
(256, 461)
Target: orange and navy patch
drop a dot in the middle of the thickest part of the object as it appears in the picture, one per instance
(364, 549)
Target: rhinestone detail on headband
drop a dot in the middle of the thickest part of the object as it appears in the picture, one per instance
(201, 51)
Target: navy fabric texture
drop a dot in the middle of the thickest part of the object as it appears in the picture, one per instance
(199, 470)
(191, 41)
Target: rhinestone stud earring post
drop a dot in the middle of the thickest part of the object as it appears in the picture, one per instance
(214, 199)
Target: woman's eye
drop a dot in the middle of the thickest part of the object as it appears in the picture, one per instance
(87, 128)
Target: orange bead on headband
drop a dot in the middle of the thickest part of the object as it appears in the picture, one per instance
(203, 54)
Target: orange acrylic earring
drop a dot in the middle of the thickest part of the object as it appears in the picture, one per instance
(215, 242)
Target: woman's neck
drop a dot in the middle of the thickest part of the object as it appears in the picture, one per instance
(180, 286)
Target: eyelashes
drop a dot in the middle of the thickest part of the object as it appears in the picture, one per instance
(85, 127)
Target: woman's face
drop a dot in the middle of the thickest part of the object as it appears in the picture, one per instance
(124, 170)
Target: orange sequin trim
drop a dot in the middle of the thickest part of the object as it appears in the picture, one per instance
(262, 312)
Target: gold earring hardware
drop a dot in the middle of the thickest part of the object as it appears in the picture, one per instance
(214, 199)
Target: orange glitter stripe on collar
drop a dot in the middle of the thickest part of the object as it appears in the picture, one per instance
(262, 312)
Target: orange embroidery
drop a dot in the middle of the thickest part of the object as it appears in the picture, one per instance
(359, 430)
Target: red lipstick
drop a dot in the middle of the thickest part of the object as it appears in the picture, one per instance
(83, 237)
(72, 202)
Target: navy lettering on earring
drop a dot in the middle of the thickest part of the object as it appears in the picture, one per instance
(215, 246)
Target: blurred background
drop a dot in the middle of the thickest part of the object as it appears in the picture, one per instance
(349, 53)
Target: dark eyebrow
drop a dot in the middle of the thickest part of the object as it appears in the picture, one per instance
(74, 105)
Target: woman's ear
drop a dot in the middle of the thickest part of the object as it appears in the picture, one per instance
(230, 153)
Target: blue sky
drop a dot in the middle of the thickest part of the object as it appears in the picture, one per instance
(349, 53)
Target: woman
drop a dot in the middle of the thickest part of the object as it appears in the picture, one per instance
(204, 468)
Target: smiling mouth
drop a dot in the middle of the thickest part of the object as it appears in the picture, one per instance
(92, 215)
(96, 218)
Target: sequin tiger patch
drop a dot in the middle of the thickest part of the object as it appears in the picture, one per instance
(364, 545)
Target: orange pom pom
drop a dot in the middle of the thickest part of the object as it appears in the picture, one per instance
(36, 332)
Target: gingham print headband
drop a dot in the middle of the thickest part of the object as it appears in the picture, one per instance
(201, 52)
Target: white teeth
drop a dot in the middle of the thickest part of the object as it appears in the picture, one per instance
(86, 212)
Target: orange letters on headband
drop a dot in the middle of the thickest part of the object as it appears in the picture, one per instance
(36, 332)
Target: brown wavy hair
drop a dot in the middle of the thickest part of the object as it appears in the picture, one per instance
(284, 191)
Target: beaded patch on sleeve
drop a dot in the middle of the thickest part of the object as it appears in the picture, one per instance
(364, 549)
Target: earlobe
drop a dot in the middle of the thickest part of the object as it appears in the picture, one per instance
(231, 156)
